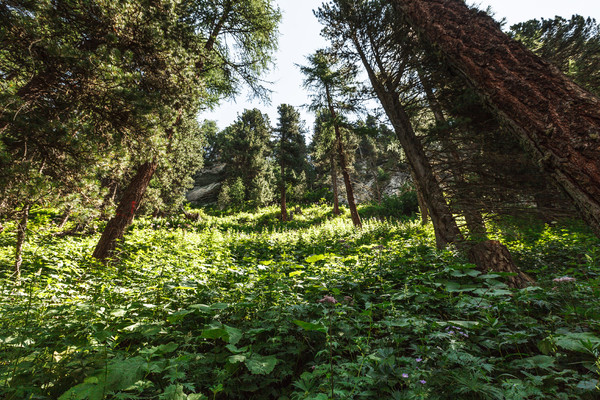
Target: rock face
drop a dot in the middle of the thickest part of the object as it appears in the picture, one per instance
(368, 186)
(207, 184)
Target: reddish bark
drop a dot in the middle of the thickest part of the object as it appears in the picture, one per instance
(126, 209)
(493, 256)
(557, 119)
(334, 186)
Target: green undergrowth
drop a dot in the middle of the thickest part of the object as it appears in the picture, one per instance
(244, 306)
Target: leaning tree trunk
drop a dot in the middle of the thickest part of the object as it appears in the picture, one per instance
(344, 164)
(334, 185)
(557, 119)
(125, 210)
(445, 227)
(488, 255)
(473, 218)
(21, 231)
(349, 190)
(493, 256)
(444, 224)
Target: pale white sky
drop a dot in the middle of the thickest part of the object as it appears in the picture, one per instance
(299, 37)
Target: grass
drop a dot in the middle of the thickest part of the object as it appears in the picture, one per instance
(243, 306)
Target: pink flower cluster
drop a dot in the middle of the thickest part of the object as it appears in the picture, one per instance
(328, 299)
(564, 279)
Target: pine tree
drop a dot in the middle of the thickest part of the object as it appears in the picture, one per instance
(365, 32)
(333, 87)
(290, 152)
(571, 45)
(557, 119)
(246, 148)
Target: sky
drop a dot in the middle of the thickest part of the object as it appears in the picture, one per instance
(300, 36)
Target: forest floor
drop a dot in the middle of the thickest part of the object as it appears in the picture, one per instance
(243, 306)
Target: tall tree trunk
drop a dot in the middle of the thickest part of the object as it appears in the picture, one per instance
(420, 200)
(125, 210)
(493, 256)
(283, 204)
(334, 185)
(21, 232)
(344, 164)
(284, 215)
(488, 255)
(557, 119)
(444, 224)
(473, 217)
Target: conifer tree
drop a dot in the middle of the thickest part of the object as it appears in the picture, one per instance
(246, 149)
(290, 152)
(333, 88)
(557, 120)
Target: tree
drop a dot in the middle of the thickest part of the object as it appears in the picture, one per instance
(557, 119)
(290, 152)
(252, 26)
(362, 30)
(332, 84)
(573, 46)
(246, 149)
(323, 149)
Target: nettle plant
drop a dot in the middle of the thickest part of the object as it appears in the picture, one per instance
(244, 306)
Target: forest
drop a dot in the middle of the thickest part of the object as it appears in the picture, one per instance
(434, 234)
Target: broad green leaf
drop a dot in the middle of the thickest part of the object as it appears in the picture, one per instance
(259, 365)
(119, 312)
(237, 358)
(168, 348)
(235, 335)
(309, 326)
(580, 341)
(539, 361)
(314, 258)
(214, 333)
(464, 324)
(589, 385)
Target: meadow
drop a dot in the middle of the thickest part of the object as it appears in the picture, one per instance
(243, 306)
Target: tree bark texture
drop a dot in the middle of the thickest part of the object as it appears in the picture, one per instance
(334, 186)
(557, 119)
(21, 232)
(126, 209)
(493, 256)
(444, 224)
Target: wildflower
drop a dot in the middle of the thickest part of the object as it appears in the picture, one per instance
(423, 381)
(328, 299)
(564, 279)
(419, 359)
(405, 375)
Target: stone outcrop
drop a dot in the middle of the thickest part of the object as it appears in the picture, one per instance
(207, 185)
